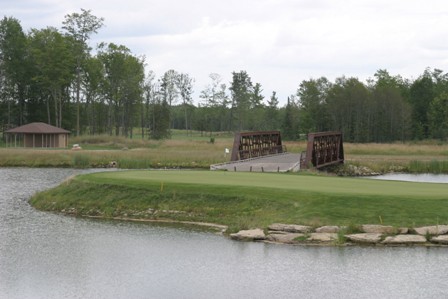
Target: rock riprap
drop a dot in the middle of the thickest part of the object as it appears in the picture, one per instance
(371, 238)
(405, 239)
(291, 228)
(322, 237)
(249, 235)
(288, 238)
(369, 234)
(432, 230)
(378, 229)
(440, 239)
(328, 229)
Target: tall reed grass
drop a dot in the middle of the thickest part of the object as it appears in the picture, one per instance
(433, 166)
(81, 160)
(194, 150)
(397, 149)
(167, 154)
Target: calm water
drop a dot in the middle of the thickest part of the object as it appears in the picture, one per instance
(43, 255)
(424, 178)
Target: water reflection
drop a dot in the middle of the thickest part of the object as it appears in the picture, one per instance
(423, 178)
(44, 255)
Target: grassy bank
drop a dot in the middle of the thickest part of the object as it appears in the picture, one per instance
(245, 200)
(127, 153)
(194, 150)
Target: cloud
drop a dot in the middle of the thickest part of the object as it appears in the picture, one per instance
(278, 42)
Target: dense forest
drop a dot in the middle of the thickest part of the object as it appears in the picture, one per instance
(52, 75)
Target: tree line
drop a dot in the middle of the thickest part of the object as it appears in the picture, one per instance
(52, 75)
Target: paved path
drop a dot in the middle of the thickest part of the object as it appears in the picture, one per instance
(274, 163)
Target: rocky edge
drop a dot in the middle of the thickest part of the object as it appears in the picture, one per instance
(369, 234)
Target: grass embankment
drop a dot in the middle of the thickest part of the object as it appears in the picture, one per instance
(246, 200)
(100, 151)
(194, 150)
(418, 157)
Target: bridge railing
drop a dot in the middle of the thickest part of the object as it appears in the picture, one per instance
(247, 145)
(323, 149)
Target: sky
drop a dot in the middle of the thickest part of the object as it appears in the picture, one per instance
(279, 43)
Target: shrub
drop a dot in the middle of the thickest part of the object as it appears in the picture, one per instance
(81, 161)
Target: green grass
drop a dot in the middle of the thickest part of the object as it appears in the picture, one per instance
(277, 182)
(245, 200)
(433, 166)
(139, 154)
(194, 150)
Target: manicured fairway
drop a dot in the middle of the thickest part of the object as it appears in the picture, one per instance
(244, 200)
(292, 182)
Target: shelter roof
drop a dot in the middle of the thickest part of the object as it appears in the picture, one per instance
(37, 128)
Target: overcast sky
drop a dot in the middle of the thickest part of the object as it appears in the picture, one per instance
(279, 43)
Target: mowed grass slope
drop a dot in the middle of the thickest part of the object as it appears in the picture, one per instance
(245, 200)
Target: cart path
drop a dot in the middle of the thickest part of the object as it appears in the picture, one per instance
(273, 163)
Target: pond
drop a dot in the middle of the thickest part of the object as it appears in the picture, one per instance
(44, 255)
(423, 178)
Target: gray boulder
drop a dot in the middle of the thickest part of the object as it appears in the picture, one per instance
(249, 235)
(403, 230)
(328, 229)
(323, 237)
(288, 238)
(378, 229)
(405, 239)
(432, 230)
(364, 238)
(440, 239)
(291, 228)
(278, 232)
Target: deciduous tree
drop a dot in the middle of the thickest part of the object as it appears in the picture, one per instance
(185, 87)
(421, 96)
(438, 117)
(272, 114)
(53, 58)
(123, 85)
(312, 96)
(290, 123)
(80, 26)
(241, 89)
(13, 67)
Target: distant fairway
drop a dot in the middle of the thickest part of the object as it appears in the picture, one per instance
(244, 200)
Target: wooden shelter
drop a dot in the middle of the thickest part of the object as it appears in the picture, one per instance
(38, 135)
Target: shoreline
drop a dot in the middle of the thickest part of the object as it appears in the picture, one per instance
(325, 241)
(248, 209)
(219, 227)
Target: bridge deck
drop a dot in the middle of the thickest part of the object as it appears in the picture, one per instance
(273, 163)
